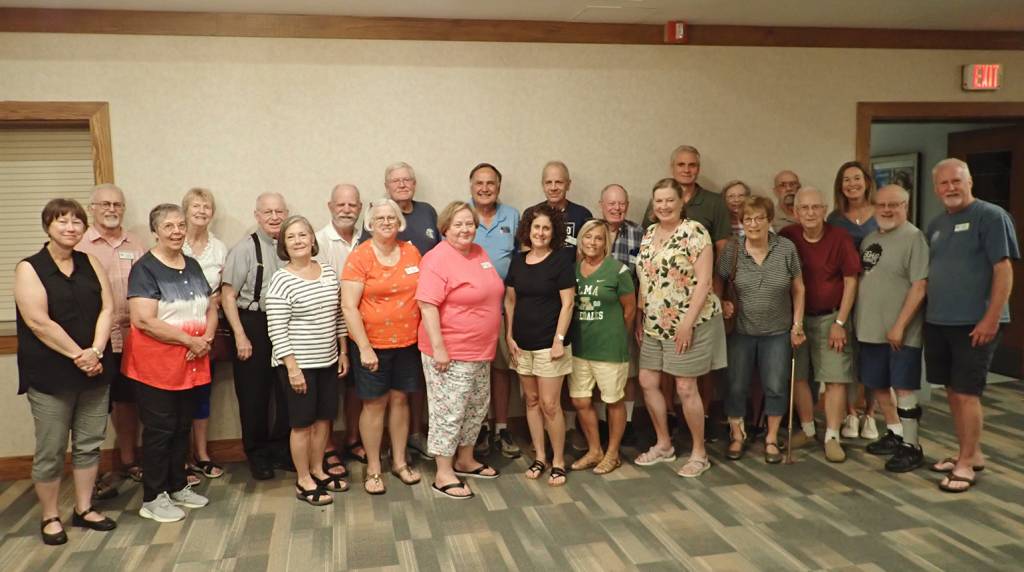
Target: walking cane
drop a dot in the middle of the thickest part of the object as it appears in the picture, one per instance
(789, 428)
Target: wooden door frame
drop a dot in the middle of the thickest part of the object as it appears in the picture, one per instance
(870, 111)
(95, 114)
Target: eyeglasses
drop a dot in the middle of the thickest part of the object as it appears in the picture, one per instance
(403, 180)
(789, 184)
(272, 212)
(385, 218)
(752, 220)
(809, 208)
(890, 206)
(107, 205)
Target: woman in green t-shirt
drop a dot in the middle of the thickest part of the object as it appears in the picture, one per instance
(603, 317)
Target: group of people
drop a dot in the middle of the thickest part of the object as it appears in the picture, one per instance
(426, 312)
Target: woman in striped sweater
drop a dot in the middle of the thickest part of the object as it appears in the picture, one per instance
(308, 334)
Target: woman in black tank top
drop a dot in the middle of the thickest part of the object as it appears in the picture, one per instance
(63, 322)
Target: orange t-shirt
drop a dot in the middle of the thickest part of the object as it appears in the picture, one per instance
(390, 313)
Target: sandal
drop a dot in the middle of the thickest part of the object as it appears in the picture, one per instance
(315, 496)
(106, 487)
(329, 464)
(478, 473)
(737, 447)
(405, 474)
(192, 479)
(772, 458)
(557, 473)
(954, 478)
(949, 463)
(331, 483)
(134, 472)
(536, 470)
(443, 490)
(607, 465)
(375, 479)
(350, 451)
(694, 467)
(653, 456)
(587, 461)
(207, 468)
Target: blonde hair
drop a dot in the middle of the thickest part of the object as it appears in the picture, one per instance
(444, 220)
(589, 226)
(198, 193)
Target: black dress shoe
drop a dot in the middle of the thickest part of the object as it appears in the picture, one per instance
(887, 445)
(261, 471)
(907, 458)
(56, 538)
(283, 465)
(101, 525)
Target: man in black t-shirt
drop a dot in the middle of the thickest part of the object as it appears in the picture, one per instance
(555, 181)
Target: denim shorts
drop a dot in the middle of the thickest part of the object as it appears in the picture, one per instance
(399, 369)
(882, 368)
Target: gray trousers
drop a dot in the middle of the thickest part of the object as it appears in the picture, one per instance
(82, 413)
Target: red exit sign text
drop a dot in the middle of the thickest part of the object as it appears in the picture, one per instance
(983, 77)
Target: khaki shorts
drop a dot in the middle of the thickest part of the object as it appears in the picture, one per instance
(829, 365)
(501, 353)
(706, 354)
(539, 363)
(608, 376)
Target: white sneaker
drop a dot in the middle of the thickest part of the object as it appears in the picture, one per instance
(869, 429)
(851, 428)
(189, 498)
(161, 509)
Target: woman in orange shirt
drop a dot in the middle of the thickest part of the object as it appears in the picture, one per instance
(378, 297)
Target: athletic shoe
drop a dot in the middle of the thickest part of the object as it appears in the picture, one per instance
(418, 443)
(851, 427)
(506, 445)
(869, 429)
(907, 458)
(188, 498)
(483, 442)
(161, 509)
(886, 445)
(834, 451)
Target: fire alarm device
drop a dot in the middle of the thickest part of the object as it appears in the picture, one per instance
(677, 33)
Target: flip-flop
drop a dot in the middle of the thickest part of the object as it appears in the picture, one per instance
(457, 484)
(478, 473)
(405, 474)
(558, 473)
(951, 461)
(376, 478)
(538, 467)
(944, 484)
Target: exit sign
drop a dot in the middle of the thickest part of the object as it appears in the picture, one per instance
(983, 77)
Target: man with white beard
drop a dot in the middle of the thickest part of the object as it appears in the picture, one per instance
(889, 322)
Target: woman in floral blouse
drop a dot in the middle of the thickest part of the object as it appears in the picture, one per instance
(681, 333)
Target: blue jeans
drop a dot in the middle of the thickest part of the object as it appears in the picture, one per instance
(771, 355)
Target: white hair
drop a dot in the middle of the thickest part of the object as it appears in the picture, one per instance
(105, 187)
(951, 162)
(383, 202)
(809, 191)
(396, 166)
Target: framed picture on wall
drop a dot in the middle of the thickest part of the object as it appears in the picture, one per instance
(901, 170)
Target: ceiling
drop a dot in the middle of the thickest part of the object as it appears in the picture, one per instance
(1004, 15)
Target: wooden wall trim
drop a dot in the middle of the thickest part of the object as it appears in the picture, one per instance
(95, 114)
(348, 27)
(871, 111)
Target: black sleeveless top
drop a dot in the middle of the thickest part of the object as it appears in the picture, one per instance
(74, 302)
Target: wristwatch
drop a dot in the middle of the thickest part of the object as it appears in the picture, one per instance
(99, 354)
(840, 322)
(560, 337)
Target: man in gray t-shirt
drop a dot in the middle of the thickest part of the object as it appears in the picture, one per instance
(889, 320)
(971, 276)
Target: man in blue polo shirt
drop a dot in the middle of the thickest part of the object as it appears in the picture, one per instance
(969, 286)
(496, 233)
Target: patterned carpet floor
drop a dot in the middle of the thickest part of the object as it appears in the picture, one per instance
(746, 515)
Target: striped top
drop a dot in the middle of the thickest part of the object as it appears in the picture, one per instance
(304, 318)
(764, 290)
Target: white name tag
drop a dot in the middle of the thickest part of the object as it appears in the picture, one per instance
(646, 241)
(126, 255)
(570, 240)
(486, 265)
(411, 269)
(962, 227)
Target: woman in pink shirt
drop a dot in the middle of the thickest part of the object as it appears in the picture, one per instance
(459, 295)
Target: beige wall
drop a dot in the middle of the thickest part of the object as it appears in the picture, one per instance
(244, 115)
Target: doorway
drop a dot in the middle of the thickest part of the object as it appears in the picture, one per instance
(909, 138)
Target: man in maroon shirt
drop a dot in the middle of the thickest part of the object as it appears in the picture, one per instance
(830, 268)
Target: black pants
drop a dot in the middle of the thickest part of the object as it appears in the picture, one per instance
(262, 405)
(166, 418)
